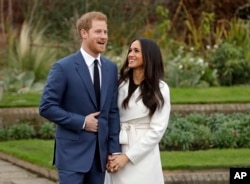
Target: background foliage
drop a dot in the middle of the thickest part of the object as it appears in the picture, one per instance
(204, 43)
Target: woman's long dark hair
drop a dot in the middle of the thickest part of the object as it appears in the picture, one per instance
(154, 72)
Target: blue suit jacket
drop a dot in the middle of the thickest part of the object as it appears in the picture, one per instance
(67, 98)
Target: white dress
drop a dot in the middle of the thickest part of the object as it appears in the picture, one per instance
(140, 137)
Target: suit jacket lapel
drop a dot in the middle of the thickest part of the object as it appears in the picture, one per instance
(105, 75)
(83, 71)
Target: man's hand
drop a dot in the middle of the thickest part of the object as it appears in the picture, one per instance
(91, 122)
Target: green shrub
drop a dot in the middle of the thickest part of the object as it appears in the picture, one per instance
(214, 121)
(202, 137)
(22, 131)
(243, 131)
(203, 131)
(187, 69)
(231, 64)
(4, 134)
(179, 135)
(244, 137)
(179, 140)
(47, 130)
(224, 137)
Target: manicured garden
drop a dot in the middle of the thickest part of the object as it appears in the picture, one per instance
(206, 61)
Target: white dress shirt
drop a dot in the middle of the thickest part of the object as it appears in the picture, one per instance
(90, 63)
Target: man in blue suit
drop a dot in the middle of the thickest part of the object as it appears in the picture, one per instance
(87, 131)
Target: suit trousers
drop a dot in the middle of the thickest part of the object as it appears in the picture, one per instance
(94, 176)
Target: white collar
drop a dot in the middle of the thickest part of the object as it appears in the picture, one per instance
(88, 58)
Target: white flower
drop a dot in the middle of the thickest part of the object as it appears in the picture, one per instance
(200, 61)
(191, 59)
(208, 47)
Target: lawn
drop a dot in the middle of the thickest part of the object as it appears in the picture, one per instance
(235, 94)
(205, 159)
(36, 151)
(40, 152)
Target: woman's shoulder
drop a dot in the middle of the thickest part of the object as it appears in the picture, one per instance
(164, 88)
(163, 85)
(124, 84)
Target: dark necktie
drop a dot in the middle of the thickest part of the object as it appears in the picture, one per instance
(97, 83)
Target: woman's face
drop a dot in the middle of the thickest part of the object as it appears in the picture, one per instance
(135, 60)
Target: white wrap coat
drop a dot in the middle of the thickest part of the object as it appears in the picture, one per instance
(140, 136)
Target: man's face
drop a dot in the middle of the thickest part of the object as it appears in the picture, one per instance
(96, 38)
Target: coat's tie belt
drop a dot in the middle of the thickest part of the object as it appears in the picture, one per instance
(128, 131)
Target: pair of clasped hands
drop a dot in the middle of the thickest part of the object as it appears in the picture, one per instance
(116, 162)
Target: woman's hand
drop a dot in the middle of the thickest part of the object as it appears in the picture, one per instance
(116, 162)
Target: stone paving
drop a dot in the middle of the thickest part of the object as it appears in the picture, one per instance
(13, 174)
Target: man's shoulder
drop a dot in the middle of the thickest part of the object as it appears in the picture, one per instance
(69, 58)
(107, 61)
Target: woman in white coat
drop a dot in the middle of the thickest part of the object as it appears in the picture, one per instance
(144, 103)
